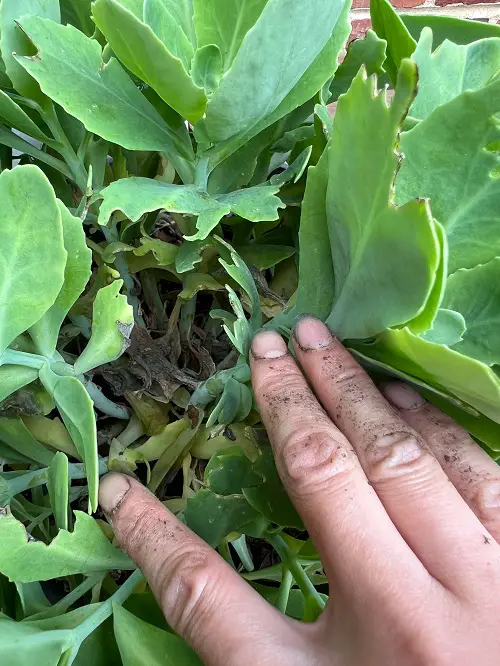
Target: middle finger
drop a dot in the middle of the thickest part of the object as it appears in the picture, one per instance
(428, 511)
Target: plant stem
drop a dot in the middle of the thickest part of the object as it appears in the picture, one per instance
(241, 547)
(298, 573)
(8, 138)
(284, 591)
(14, 357)
(105, 405)
(201, 173)
(76, 165)
(66, 602)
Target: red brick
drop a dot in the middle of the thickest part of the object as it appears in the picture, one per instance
(442, 3)
(359, 27)
(401, 4)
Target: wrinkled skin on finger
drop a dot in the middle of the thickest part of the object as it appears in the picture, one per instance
(401, 504)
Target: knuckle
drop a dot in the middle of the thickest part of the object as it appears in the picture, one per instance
(275, 381)
(133, 531)
(485, 502)
(398, 455)
(188, 593)
(314, 461)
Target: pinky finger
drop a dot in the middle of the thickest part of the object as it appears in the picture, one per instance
(474, 474)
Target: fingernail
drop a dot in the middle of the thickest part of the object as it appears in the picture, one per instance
(112, 491)
(269, 344)
(402, 396)
(312, 334)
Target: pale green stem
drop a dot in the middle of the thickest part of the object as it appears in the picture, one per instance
(284, 591)
(103, 404)
(241, 547)
(300, 576)
(8, 138)
(76, 165)
(62, 606)
(14, 357)
(39, 477)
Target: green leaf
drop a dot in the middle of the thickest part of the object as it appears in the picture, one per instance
(225, 24)
(76, 275)
(14, 116)
(14, 41)
(137, 196)
(182, 11)
(313, 79)
(457, 30)
(112, 324)
(450, 70)
(214, 516)
(264, 256)
(369, 51)
(284, 42)
(456, 169)
(77, 411)
(69, 69)
(84, 550)
(164, 253)
(190, 254)
(44, 646)
(229, 471)
(207, 69)
(475, 294)
(257, 204)
(385, 258)
(15, 434)
(469, 380)
(269, 496)
(58, 487)
(448, 328)
(426, 317)
(389, 26)
(78, 14)
(146, 56)
(159, 15)
(14, 377)
(141, 643)
(30, 262)
(195, 282)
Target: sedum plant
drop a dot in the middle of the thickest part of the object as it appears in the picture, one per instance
(176, 174)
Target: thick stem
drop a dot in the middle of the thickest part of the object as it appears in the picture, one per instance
(105, 405)
(301, 578)
(14, 357)
(8, 138)
(284, 591)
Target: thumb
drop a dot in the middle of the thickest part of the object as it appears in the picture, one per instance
(202, 597)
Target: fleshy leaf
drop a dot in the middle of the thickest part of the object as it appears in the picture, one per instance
(457, 170)
(448, 328)
(76, 275)
(457, 30)
(475, 293)
(225, 24)
(58, 487)
(317, 74)
(385, 258)
(14, 377)
(284, 42)
(31, 262)
(162, 16)
(84, 550)
(145, 55)
(14, 116)
(142, 643)
(207, 67)
(316, 276)
(469, 380)
(389, 26)
(77, 411)
(450, 70)
(137, 196)
(69, 69)
(14, 41)
(112, 324)
(16, 435)
(369, 51)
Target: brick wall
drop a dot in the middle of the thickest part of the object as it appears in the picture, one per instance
(479, 10)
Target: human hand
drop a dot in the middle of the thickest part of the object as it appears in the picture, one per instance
(402, 505)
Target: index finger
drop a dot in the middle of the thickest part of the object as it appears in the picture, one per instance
(324, 478)
(203, 599)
